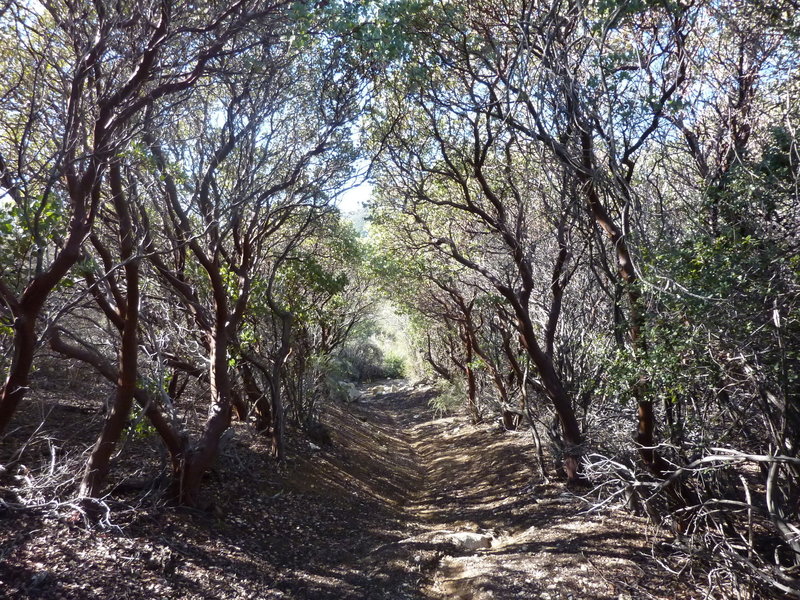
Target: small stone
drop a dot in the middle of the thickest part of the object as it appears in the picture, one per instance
(39, 578)
(465, 540)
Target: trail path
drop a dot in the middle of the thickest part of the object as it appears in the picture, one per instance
(475, 525)
(403, 505)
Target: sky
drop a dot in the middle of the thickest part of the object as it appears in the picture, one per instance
(354, 199)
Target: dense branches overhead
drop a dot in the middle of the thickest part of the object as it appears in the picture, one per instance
(156, 153)
(586, 211)
(591, 177)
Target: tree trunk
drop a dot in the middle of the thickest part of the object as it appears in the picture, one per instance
(201, 456)
(566, 417)
(98, 466)
(438, 369)
(556, 393)
(16, 385)
(97, 469)
(472, 390)
(26, 312)
(645, 436)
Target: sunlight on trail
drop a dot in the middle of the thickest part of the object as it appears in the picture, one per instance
(473, 522)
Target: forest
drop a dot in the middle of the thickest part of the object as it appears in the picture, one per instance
(571, 297)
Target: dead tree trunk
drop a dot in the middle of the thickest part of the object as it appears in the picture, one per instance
(276, 385)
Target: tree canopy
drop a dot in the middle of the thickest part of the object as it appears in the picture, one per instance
(586, 215)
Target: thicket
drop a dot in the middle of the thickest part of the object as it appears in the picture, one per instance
(168, 216)
(591, 212)
(587, 211)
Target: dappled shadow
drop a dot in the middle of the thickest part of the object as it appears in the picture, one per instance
(377, 514)
(298, 531)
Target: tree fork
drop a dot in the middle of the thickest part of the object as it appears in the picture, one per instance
(98, 466)
(26, 313)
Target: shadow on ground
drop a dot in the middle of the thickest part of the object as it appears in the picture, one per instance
(385, 512)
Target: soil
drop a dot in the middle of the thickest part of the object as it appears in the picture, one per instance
(405, 504)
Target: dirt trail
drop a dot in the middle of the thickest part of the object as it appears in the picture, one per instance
(478, 526)
(403, 505)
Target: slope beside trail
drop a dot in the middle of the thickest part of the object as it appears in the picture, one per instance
(403, 505)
